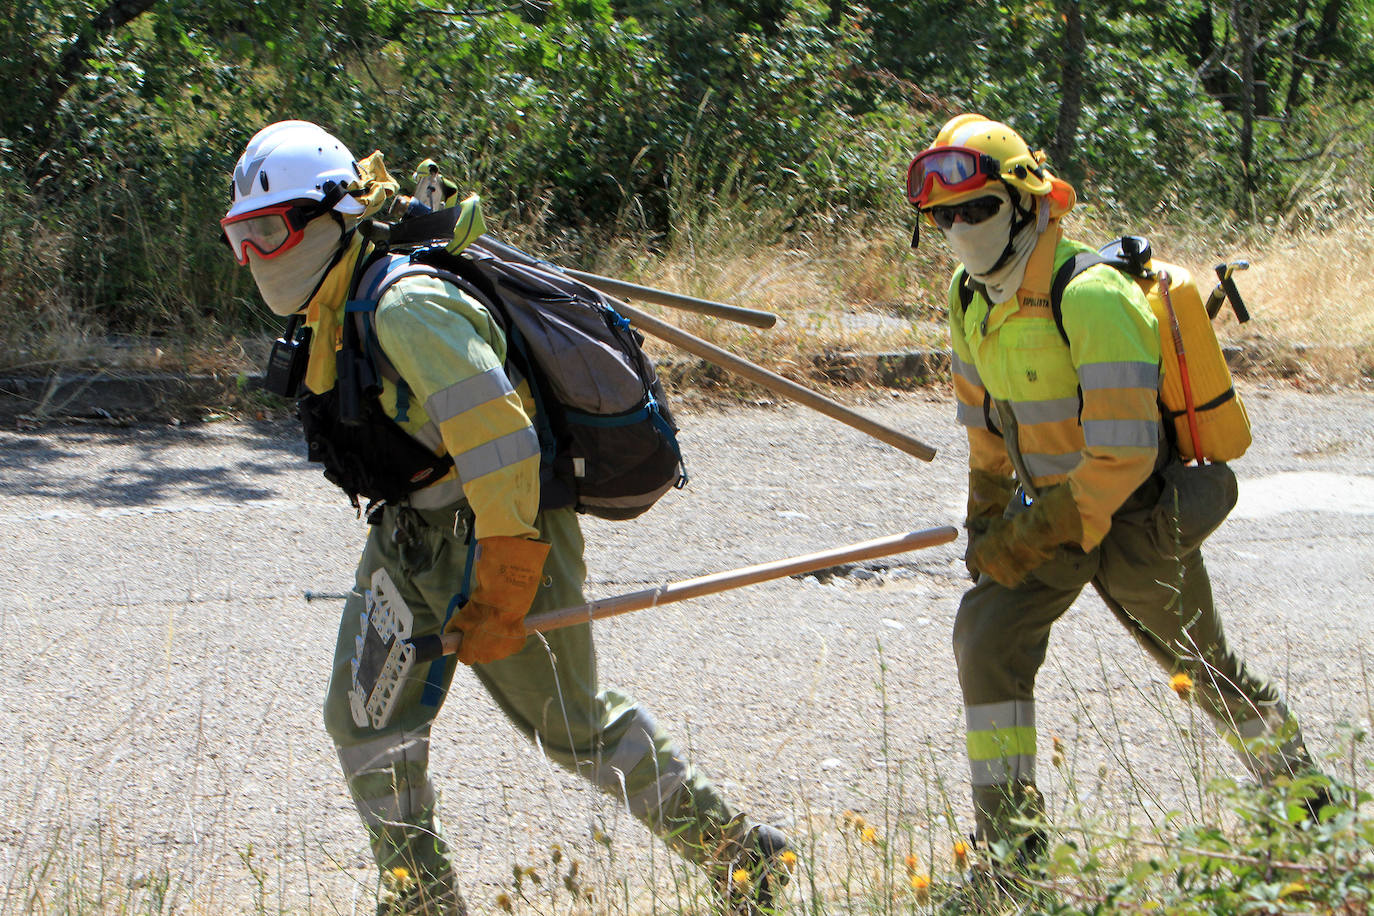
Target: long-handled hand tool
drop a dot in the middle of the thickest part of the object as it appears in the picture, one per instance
(386, 654)
(742, 367)
(613, 287)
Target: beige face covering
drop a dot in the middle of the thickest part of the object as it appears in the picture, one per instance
(979, 246)
(287, 281)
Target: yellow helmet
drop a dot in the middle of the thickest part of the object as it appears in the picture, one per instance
(967, 153)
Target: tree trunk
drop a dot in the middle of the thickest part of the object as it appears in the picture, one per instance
(1243, 16)
(1070, 90)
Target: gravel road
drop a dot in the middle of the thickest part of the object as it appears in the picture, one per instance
(164, 671)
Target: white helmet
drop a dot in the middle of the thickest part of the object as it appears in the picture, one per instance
(292, 160)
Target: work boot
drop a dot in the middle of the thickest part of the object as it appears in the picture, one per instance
(428, 896)
(754, 873)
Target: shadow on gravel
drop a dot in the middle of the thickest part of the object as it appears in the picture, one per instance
(143, 466)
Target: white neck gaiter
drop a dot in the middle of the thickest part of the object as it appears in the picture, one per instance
(980, 245)
(286, 282)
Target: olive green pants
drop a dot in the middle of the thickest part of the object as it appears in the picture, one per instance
(548, 691)
(1149, 572)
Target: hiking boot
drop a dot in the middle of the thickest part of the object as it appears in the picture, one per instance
(405, 896)
(754, 875)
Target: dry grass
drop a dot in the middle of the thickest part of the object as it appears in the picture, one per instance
(1311, 296)
(863, 290)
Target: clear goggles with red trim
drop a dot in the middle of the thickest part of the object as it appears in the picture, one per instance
(955, 168)
(270, 231)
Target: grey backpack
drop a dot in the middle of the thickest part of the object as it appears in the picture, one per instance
(608, 441)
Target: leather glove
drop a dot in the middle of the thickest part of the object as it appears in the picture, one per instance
(988, 495)
(506, 573)
(1012, 547)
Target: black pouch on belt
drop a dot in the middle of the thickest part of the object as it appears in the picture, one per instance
(1193, 503)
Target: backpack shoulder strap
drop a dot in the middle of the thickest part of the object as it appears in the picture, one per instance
(1063, 276)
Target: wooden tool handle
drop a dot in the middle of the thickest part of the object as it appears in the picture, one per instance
(431, 647)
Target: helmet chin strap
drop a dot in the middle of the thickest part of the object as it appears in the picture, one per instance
(1021, 218)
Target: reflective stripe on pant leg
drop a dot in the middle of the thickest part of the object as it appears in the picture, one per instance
(1000, 638)
(1167, 603)
(549, 691)
(1270, 744)
(387, 771)
(1001, 742)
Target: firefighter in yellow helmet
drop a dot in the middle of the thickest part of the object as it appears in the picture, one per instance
(467, 545)
(1072, 477)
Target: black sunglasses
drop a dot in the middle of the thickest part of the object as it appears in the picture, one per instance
(970, 211)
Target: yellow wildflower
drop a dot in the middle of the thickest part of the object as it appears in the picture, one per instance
(740, 876)
(1182, 685)
(400, 874)
(788, 859)
(870, 835)
(911, 864)
(960, 853)
(920, 884)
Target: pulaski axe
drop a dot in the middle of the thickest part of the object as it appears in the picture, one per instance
(386, 654)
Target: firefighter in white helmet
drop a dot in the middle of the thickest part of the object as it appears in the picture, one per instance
(1072, 478)
(454, 421)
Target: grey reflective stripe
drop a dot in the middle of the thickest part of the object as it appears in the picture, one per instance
(1119, 375)
(1008, 714)
(637, 744)
(398, 808)
(1140, 433)
(1020, 768)
(1051, 465)
(658, 794)
(1051, 411)
(437, 495)
(1251, 729)
(510, 449)
(468, 394)
(967, 371)
(429, 436)
(383, 752)
(971, 416)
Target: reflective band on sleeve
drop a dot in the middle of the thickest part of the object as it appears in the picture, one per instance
(1051, 411)
(1052, 465)
(1118, 375)
(971, 416)
(510, 449)
(1121, 433)
(467, 394)
(967, 371)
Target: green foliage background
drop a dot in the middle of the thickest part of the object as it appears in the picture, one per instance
(586, 120)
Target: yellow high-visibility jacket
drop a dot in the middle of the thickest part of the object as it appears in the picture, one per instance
(1087, 412)
(455, 396)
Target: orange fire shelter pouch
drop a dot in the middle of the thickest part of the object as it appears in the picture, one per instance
(1218, 428)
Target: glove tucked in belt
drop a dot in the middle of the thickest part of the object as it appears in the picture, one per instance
(988, 495)
(1012, 547)
(506, 573)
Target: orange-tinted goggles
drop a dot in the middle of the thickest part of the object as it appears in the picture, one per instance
(271, 231)
(955, 168)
